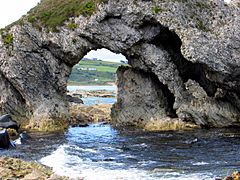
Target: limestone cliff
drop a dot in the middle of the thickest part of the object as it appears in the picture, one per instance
(187, 53)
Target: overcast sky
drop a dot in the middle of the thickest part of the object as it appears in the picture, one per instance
(12, 10)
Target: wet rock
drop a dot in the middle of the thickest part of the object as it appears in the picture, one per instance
(4, 139)
(7, 122)
(72, 99)
(23, 138)
(12, 132)
(79, 125)
(234, 176)
(24, 135)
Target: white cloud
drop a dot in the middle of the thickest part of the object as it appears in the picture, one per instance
(106, 55)
(12, 10)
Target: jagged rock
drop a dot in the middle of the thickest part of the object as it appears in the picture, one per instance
(4, 139)
(234, 176)
(178, 42)
(74, 99)
(81, 114)
(12, 168)
(141, 98)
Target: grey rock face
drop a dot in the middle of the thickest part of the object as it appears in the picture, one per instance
(190, 47)
(141, 98)
(4, 139)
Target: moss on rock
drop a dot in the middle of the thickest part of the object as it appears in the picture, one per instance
(7, 37)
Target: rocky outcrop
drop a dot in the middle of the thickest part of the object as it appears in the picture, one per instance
(12, 168)
(145, 102)
(7, 122)
(81, 114)
(4, 139)
(189, 49)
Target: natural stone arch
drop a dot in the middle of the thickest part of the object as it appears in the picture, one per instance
(173, 46)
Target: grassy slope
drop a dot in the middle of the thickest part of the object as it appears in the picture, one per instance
(53, 13)
(105, 72)
(101, 66)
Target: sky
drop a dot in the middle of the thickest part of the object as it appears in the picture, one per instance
(12, 10)
(106, 55)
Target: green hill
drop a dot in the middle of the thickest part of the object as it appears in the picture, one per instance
(94, 72)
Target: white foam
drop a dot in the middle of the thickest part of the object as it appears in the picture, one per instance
(60, 162)
(74, 166)
(200, 163)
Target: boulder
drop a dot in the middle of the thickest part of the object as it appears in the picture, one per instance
(6, 121)
(73, 99)
(4, 139)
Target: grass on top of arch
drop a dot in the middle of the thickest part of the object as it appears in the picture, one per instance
(53, 13)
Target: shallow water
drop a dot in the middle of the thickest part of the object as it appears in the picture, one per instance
(98, 100)
(102, 152)
(95, 100)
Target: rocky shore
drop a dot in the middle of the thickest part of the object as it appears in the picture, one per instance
(233, 176)
(81, 114)
(93, 93)
(12, 168)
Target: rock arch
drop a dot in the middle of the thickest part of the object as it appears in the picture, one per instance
(184, 45)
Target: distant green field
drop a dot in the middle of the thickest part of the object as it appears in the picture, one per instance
(89, 72)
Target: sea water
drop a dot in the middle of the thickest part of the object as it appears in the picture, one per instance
(102, 152)
(95, 100)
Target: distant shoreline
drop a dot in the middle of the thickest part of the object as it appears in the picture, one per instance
(110, 87)
(83, 84)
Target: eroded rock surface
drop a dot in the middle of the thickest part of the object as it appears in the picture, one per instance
(12, 168)
(192, 48)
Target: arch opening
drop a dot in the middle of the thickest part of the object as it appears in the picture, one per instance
(92, 86)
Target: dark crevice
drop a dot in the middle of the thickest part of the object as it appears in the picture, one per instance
(168, 95)
(170, 41)
(162, 90)
(20, 99)
(13, 87)
(231, 97)
(110, 16)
